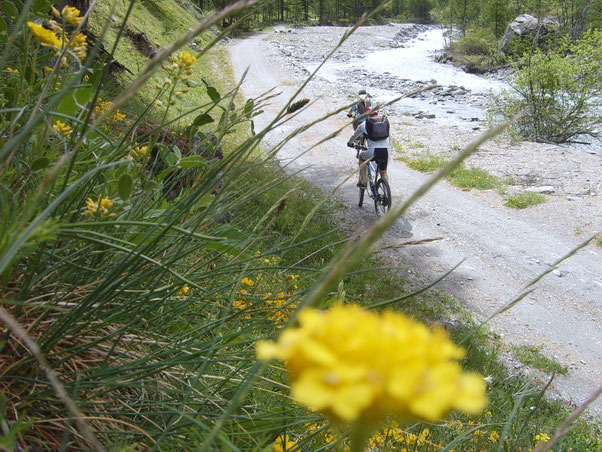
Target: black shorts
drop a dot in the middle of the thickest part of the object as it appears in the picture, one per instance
(381, 156)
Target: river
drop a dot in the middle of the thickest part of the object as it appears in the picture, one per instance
(462, 99)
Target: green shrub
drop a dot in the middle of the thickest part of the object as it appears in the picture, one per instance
(558, 91)
(477, 52)
(426, 163)
(524, 199)
(467, 178)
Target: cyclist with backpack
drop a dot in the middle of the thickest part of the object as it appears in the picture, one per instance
(376, 131)
(363, 104)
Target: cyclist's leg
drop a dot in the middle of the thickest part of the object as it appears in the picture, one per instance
(381, 155)
(363, 157)
(363, 171)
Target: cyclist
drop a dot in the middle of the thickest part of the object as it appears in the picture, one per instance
(363, 104)
(377, 149)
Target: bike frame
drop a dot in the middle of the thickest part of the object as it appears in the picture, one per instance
(378, 188)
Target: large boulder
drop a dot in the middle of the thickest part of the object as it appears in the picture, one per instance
(528, 25)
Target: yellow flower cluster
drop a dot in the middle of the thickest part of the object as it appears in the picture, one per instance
(276, 307)
(138, 152)
(13, 71)
(393, 438)
(542, 438)
(55, 38)
(70, 14)
(354, 364)
(79, 46)
(62, 128)
(101, 206)
(181, 67)
(103, 106)
(45, 37)
(183, 60)
(285, 444)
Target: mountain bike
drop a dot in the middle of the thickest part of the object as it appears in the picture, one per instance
(378, 188)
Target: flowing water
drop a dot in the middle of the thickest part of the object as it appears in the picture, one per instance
(461, 99)
(405, 68)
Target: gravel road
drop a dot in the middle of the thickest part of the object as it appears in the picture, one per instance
(503, 248)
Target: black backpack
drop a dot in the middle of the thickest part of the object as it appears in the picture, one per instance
(377, 127)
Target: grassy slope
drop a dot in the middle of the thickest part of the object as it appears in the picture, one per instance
(162, 22)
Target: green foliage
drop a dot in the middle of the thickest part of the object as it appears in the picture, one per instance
(533, 357)
(467, 178)
(524, 199)
(426, 163)
(477, 52)
(559, 91)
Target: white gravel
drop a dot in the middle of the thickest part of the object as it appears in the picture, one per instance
(504, 248)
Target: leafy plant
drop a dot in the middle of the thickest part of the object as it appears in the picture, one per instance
(425, 164)
(467, 178)
(524, 199)
(560, 91)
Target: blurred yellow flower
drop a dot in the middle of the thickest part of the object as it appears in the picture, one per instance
(47, 38)
(284, 443)
(102, 206)
(247, 281)
(70, 14)
(184, 60)
(542, 438)
(183, 290)
(62, 128)
(79, 46)
(138, 152)
(354, 364)
(13, 71)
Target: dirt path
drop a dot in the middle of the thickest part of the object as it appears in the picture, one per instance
(504, 248)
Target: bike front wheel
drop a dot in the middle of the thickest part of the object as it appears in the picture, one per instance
(382, 201)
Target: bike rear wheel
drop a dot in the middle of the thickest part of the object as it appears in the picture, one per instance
(382, 201)
(361, 198)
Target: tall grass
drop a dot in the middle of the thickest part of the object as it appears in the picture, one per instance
(137, 267)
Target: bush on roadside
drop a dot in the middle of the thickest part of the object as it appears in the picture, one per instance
(524, 199)
(559, 92)
(476, 52)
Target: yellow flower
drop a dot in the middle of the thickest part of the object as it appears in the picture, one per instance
(542, 438)
(79, 46)
(247, 281)
(284, 443)
(70, 14)
(184, 60)
(62, 128)
(101, 206)
(183, 290)
(354, 364)
(138, 152)
(47, 38)
(494, 436)
(13, 71)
